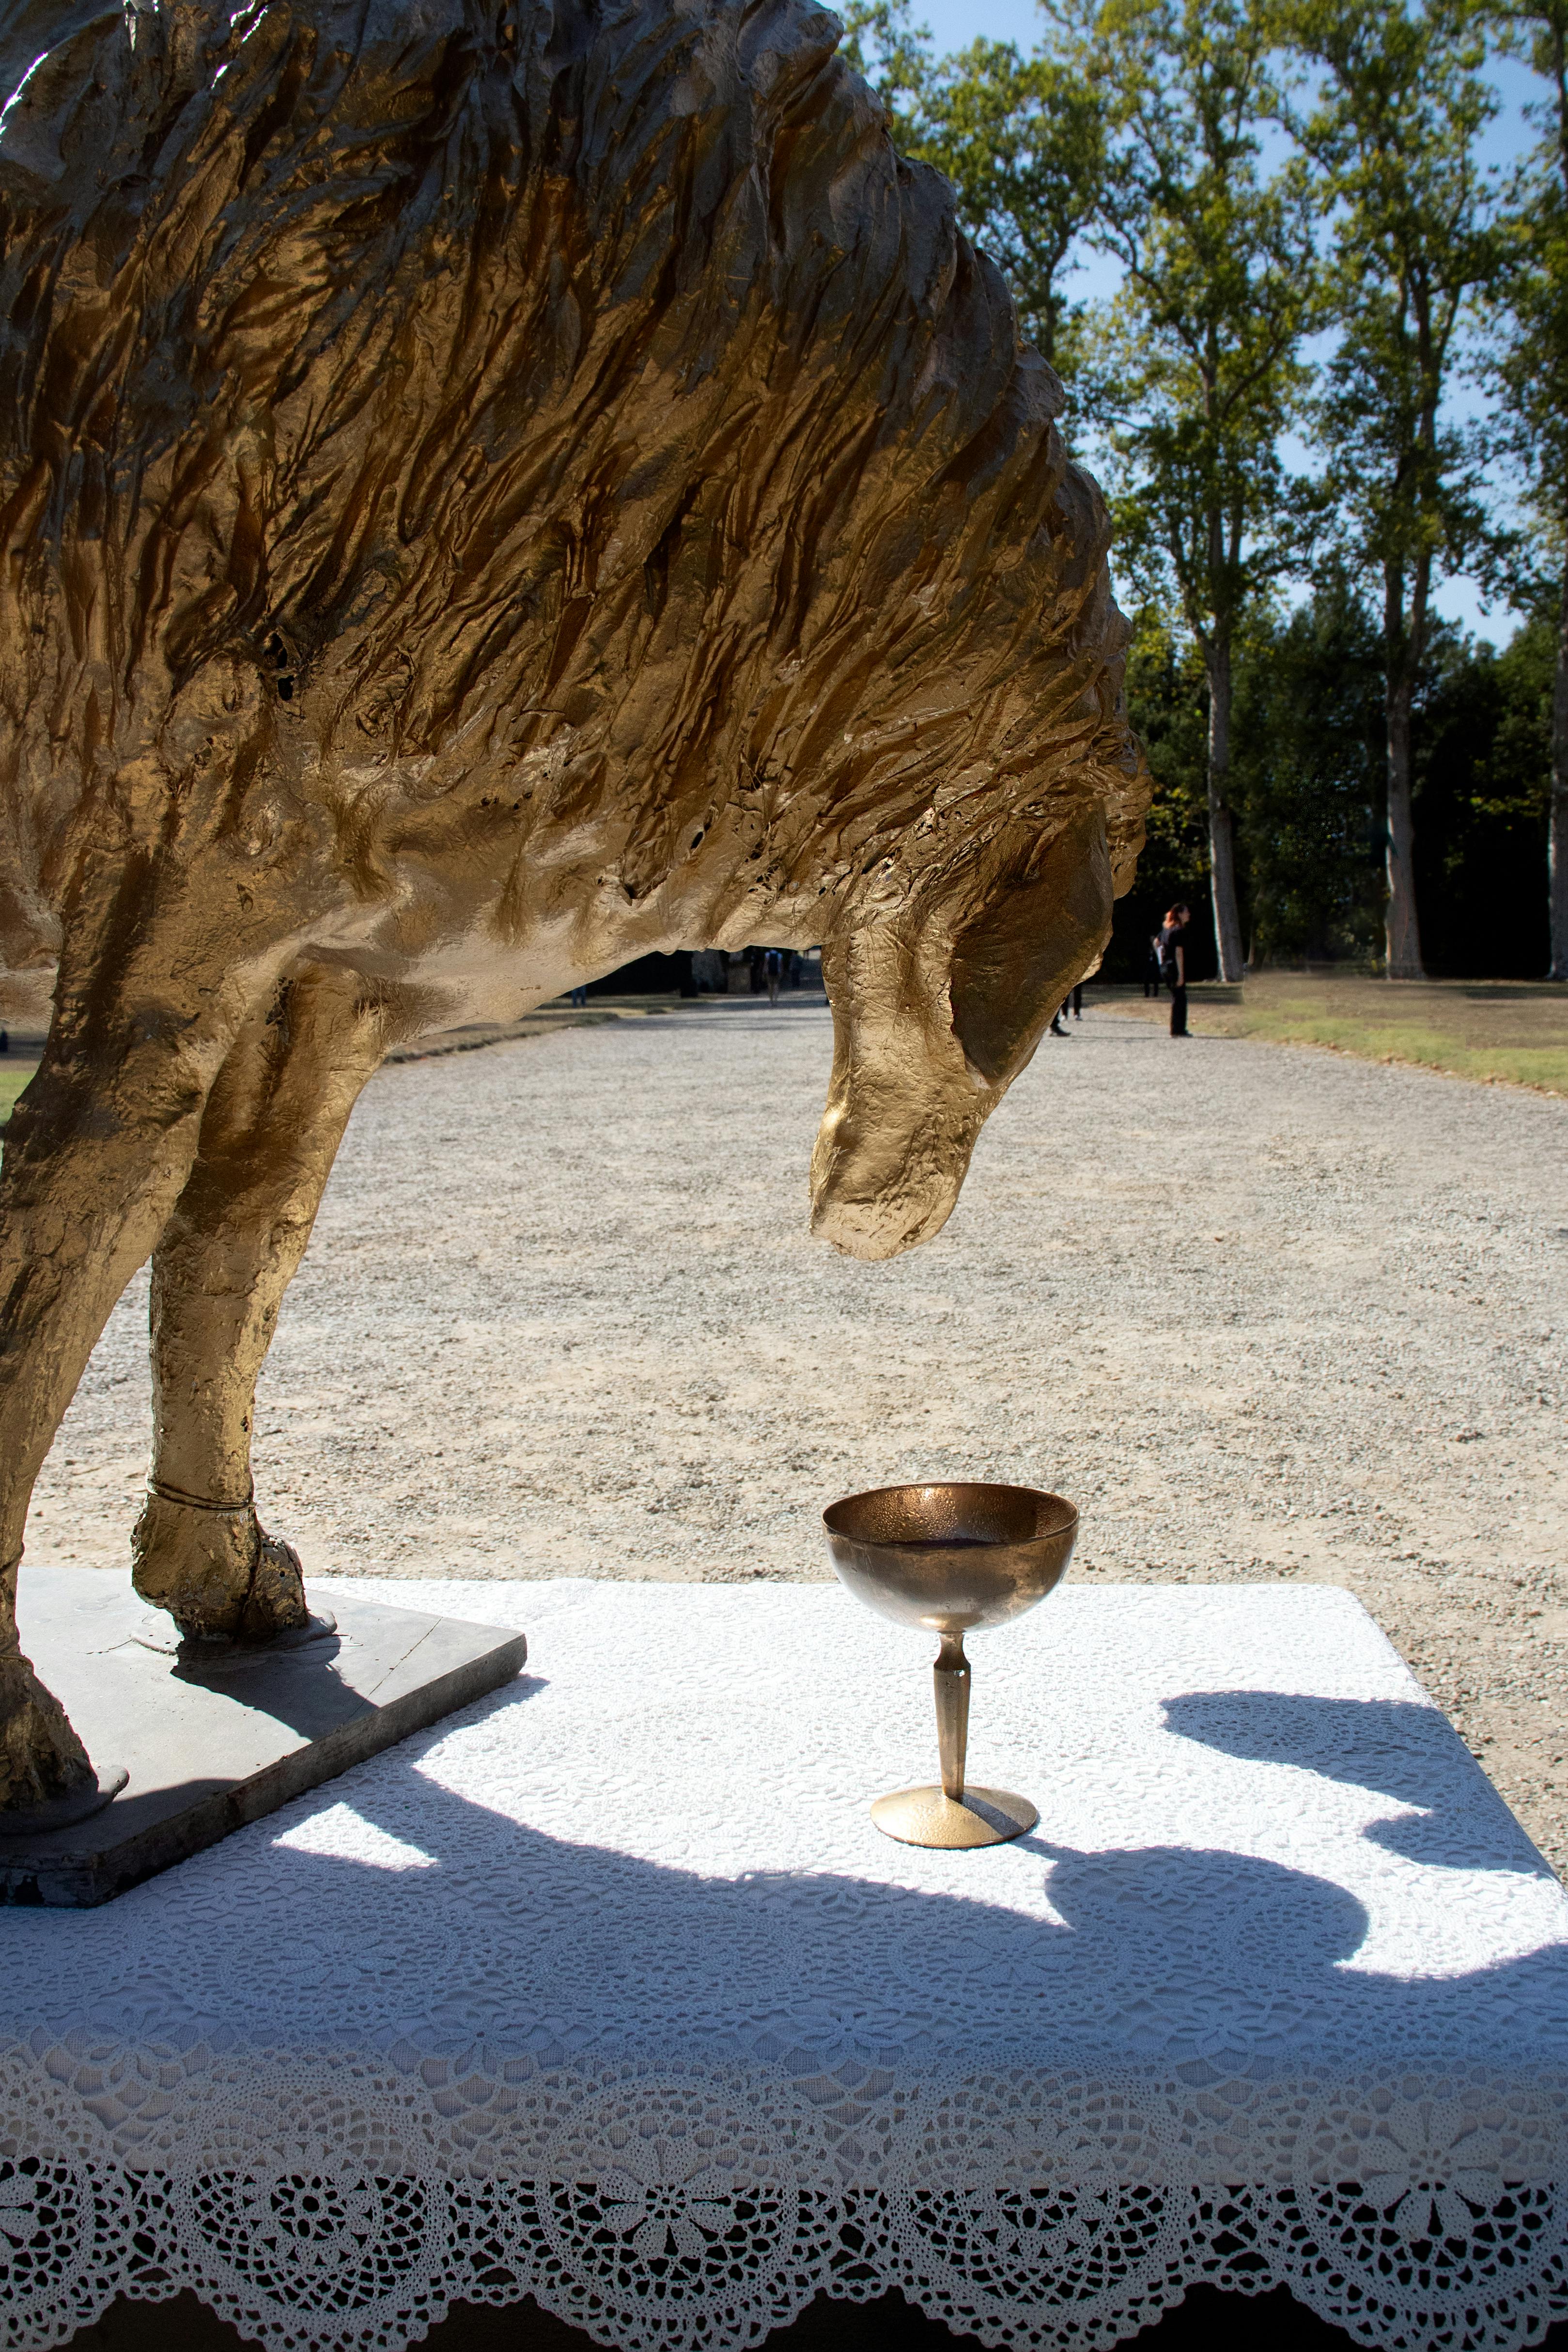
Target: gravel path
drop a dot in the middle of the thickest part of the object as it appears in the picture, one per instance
(1263, 1312)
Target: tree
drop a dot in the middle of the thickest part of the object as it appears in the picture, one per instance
(1023, 142)
(893, 55)
(1194, 370)
(1166, 702)
(1310, 782)
(1482, 737)
(1022, 138)
(1530, 312)
(1392, 122)
(1310, 777)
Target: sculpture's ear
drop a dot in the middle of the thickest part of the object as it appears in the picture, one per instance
(1017, 959)
(54, 78)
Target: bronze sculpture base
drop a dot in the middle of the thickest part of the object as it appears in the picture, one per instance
(929, 1817)
(214, 1736)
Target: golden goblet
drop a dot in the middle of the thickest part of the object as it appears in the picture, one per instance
(952, 1556)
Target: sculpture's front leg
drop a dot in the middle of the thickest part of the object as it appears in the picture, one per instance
(96, 1154)
(237, 1233)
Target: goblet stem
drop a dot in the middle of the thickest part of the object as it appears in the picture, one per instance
(951, 1675)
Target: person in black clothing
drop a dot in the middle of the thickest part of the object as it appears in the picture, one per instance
(1172, 964)
(1072, 1002)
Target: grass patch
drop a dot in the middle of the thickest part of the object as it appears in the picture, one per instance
(1497, 1033)
(14, 1077)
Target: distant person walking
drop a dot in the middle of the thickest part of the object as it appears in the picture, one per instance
(1152, 967)
(1173, 963)
(1078, 1001)
(773, 971)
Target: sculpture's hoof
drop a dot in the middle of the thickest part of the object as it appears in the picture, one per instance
(214, 1654)
(221, 1576)
(276, 1602)
(41, 1758)
(196, 1659)
(78, 1804)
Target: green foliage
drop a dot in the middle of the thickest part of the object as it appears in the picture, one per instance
(1483, 763)
(1310, 779)
(1023, 142)
(1526, 303)
(893, 55)
(1193, 373)
(1265, 171)
(1022, 138)
(1307, 784)
(1398, 103)
(1512, 782)
(1167, 702)
(1168, 699)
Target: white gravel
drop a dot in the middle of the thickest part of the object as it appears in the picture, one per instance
(1263, 1312)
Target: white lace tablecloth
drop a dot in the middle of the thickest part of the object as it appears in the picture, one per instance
(606, 1991)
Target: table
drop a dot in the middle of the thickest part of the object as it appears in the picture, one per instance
(606, 1991)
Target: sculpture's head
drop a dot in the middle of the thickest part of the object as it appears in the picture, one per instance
(937, 1006)
(665, 574)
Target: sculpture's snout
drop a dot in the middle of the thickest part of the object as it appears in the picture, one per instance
(903, 1106)
(884, 1181)
(931, 1024)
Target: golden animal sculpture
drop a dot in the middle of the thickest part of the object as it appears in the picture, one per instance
(487, 488)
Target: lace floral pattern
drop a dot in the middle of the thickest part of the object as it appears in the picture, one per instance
(608, 1992)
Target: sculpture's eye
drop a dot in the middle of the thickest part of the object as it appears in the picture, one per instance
(1014, 964)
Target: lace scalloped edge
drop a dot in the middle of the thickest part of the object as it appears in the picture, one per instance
(339, 2260)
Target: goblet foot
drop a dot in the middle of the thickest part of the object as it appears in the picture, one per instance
(930, 1817)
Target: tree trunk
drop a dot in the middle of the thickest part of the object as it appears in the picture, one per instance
(1221, 831)
(1403, 929)
(1557, 829)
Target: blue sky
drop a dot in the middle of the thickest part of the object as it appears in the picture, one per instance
(956, 23)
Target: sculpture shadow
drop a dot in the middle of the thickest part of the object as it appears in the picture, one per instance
(457, 1927)
(1395, 1746)
(299, 1688)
